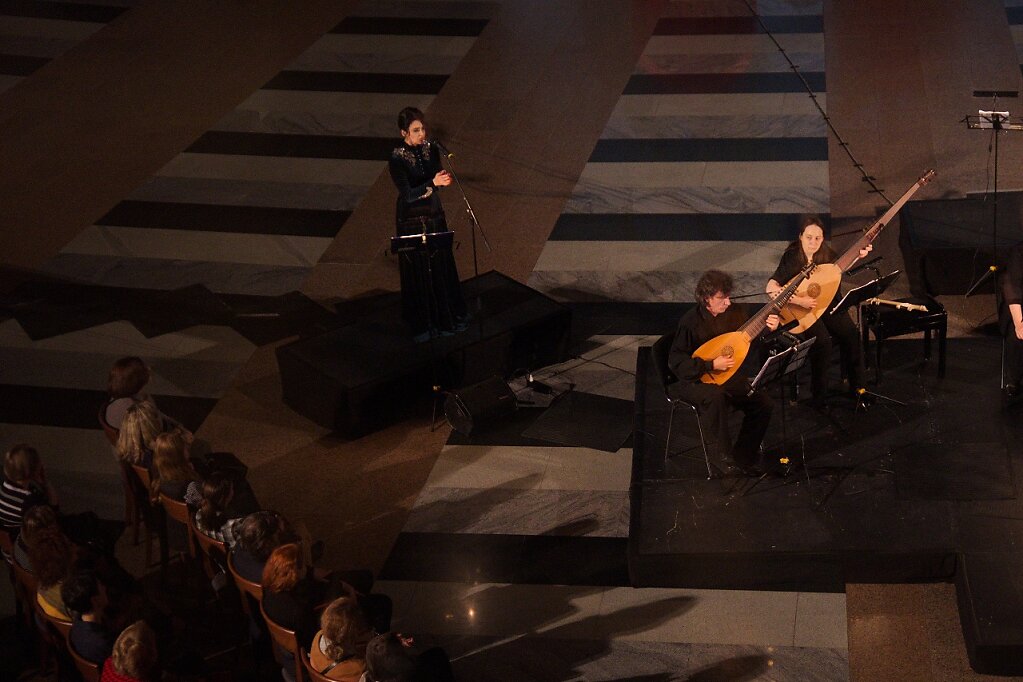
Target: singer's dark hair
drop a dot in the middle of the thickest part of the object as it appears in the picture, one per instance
(710, 283)
(408, 116)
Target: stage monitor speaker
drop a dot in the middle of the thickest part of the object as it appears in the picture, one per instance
(473, 407)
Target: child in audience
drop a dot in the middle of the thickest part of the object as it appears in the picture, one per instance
(135, 657)
(338, 650)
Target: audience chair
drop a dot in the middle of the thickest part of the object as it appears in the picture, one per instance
(132, 516)
(659, 356)
(25, 586)
(314, 674)
(285, 639)
(7, 547)
(179, 511)
(247, 588)
(89, 671)
(149, 514)
(214, 553)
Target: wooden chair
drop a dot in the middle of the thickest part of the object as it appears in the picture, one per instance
(25, 586)
(316, 676)
(285, 639)
(247, 588)
(180, 512)
(214, 553)
(89, 671)
(148, 512)
(132, 515)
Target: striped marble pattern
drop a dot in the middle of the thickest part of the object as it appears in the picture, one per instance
(513, 560)
(709, 157)
(245, 226)
(34, 32)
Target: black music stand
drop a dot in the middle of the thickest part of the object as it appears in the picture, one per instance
(995, 121)
(857, 296)
(430, 243)
(774, 369)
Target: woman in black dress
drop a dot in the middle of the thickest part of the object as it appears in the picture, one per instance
(431, 294)
(810, 246)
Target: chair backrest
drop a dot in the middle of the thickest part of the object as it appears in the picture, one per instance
(89, 671)
(143, 475)
(286, 640)
(6, 544)
(659, 356)
(180, 512)
(314, 674)
(63, 627)
(109, 431)
(248, 589)
(26, 584)
(214, 552)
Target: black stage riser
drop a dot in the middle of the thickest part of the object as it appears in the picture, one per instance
(920, 492)
(365, 375)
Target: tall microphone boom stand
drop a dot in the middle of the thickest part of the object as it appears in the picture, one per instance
(474, 224)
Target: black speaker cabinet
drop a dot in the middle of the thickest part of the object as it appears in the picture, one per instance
(473, 407)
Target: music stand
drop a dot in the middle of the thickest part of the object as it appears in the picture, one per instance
(994, 121)
(774, 369)
(856, 297)
(428, 243)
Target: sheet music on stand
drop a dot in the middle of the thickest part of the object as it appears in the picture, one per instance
(422, 241)
(858, 295)
(780, 364)
(994, 120)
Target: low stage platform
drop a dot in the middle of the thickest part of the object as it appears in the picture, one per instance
(924, 491)
(362, 374)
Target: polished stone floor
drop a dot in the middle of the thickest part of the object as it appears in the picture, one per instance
(699, 151)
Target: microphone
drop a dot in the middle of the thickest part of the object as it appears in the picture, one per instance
(864, 265)
(442, 149)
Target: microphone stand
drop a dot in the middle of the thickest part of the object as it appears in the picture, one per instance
(474, 224)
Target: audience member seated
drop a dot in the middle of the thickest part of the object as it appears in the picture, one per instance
(173, 475)
(216, 517)
(257, 535)
(139, 429)
(135, 657)
(390, 658)
(126, 385)
(23, 486)
(85, 598)
(338, 650)
(51, 555)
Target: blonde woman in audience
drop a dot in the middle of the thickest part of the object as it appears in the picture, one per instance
(135, 657)
(141, 425)
(172, 473)
(338, 650)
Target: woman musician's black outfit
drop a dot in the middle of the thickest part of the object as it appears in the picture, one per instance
(431, 295)
(839, 327)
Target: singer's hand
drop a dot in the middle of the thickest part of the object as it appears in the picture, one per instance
(442, 179)
(723, 363)
(772, 322)
(865, 250)
(1019, 330)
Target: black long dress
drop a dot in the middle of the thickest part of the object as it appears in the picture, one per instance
(431, 295)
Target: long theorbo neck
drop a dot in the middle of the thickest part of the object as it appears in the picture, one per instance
(756, 324)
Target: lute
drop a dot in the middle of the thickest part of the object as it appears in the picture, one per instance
(736, 344)
(824, 282)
